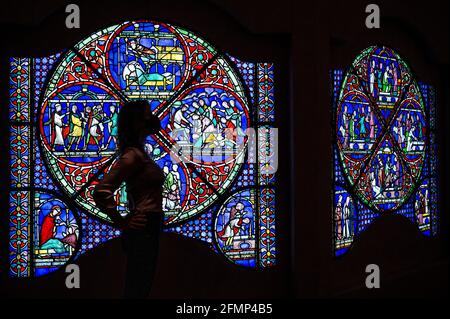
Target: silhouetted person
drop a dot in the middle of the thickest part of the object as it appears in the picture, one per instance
(144, 180)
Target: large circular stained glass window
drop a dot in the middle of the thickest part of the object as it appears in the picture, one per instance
(189, 86)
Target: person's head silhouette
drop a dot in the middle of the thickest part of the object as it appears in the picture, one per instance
(135, 123)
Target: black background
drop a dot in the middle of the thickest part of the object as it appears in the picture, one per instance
(304, 40)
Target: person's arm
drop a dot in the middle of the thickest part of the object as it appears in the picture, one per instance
(103, 193)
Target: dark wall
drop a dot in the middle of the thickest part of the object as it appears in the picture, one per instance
(304, 40)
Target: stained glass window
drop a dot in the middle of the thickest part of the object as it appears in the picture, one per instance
(63, 124)
(384, 146)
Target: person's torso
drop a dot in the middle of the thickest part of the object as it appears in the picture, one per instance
(144, 187)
